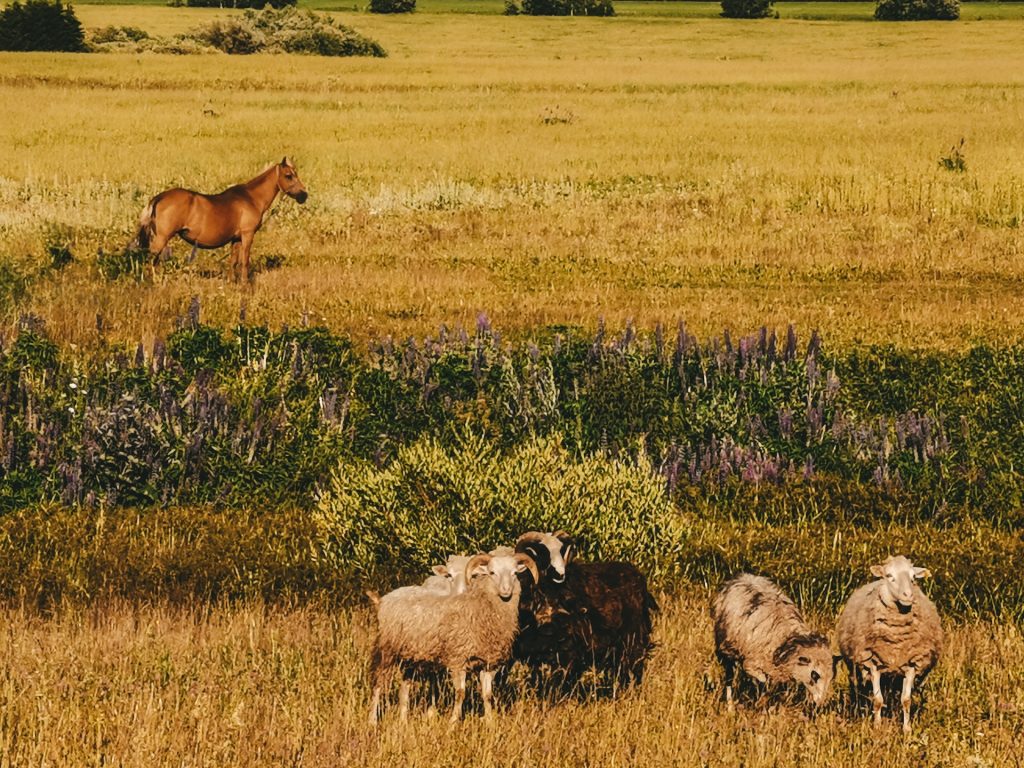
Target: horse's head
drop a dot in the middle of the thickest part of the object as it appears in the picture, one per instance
(288, 181)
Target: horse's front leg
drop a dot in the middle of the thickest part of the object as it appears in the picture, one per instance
(233, 261)
(244, 248)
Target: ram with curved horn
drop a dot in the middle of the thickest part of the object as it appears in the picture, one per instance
(467, 632)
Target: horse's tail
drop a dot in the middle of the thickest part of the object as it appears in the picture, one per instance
(147, 226)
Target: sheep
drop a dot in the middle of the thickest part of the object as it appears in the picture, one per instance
(450, 578)
(473, 630)
(582, 614)
(759, 630)
(889, 628)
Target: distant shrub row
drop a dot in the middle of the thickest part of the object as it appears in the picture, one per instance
(560, 7)
(40, 25)
(886, 10)
(255, 4)
(261, 417)
(48, 25)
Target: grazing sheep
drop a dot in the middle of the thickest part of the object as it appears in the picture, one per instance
(582, 614)
(450, 578)
(473, 630)
(888, 629)
(760, 630)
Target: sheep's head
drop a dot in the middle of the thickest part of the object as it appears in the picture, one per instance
(499, 572)
(807, 659)
(552, 552)
(896, 577)
(454, 570)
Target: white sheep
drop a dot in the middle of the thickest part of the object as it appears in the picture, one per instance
(473, 630)
(450, 578)
(889, 628)
(760, 630)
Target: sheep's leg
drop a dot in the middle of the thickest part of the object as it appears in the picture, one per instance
(486, 687)
(908, 687)
(459, 682)
(851, 681)
(876, 693)
(379, 679)
(730, 680)
(375, 704)
(403, 699)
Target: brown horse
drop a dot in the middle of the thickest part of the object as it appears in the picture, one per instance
(213, 221)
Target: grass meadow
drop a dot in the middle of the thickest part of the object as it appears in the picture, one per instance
(543, 171)
(261, 686)
(661, 166)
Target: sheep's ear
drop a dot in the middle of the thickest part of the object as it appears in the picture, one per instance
(877, 570)
(440, 570)
(520, 567)
(922, 573)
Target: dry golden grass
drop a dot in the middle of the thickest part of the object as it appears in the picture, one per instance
(153, 686)
(721, 172)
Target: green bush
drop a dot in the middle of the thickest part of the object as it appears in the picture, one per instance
(561, 8)
(40, 25)
(286, 30)
(257, 4)
(114, 34)
(917, 10)
(747, 9)
(232, 35)
(392, 6)
(393, 523)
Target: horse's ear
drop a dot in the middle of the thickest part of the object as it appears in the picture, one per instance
(286, 162)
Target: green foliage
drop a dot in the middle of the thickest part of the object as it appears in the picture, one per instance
(127, 262)
(58, 241)
(40, 25)
(257, 4)
(285, 30)
(261, 415)
(917, 10)
(53, 556)
(380, 524)
(232, 35)
(560, 8)
(747, 9)
(115, 34)
(391, 6)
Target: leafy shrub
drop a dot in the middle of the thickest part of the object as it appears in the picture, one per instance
(431, 501)
(747, 9)
(256, 4)
(286, 30)
(560, 8)
(115, 34)
(917, 10)
(392, 6)
(232, 35)
(40, 25)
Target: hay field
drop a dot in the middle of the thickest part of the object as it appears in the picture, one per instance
(542, 171)
(259, 686)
